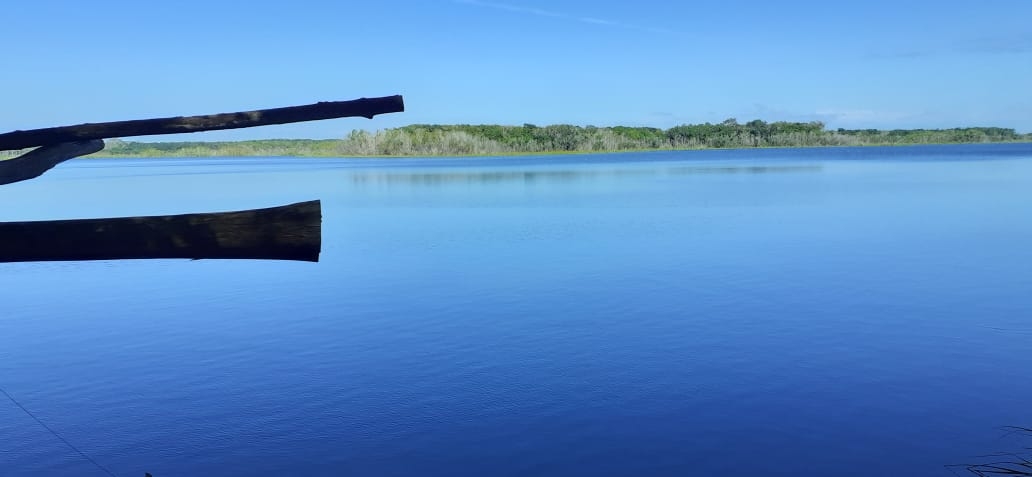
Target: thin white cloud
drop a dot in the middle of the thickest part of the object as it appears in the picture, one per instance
(1018, 43)
(514, 8)
(598, 21)
(1014, 44)
(562, 16)
(861, 115)
(880, 119)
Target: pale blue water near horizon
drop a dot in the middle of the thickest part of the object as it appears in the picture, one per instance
(841, 311)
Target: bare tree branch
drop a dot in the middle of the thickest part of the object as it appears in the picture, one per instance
(363, 107)
(34, 163)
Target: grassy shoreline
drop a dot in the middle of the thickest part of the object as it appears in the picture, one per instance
(428, 140)
(104, 154)
(172, 155)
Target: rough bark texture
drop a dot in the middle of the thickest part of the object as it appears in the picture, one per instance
(363, 107)
(290, 232)
(37, 161)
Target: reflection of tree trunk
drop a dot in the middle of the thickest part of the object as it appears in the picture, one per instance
(1006, 463)
(291, 232)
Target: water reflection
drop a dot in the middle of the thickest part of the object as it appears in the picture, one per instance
(668, 321)
(481, 176)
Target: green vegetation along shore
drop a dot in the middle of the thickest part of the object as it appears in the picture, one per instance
(465, 140)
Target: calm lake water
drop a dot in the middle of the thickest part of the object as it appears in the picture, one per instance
(847, 312)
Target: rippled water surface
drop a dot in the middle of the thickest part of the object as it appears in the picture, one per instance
(786, 312)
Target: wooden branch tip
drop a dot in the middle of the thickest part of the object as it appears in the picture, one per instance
(362, 107)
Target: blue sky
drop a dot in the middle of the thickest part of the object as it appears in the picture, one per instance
(879, 64)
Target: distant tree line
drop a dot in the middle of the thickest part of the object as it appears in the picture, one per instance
(441, 140)
(266, 147)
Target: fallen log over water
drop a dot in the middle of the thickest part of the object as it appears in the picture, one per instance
(363, 107)
(290, 232)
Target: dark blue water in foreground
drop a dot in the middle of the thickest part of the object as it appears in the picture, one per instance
(787, 312)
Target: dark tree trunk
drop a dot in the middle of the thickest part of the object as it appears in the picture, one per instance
(291, 232)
